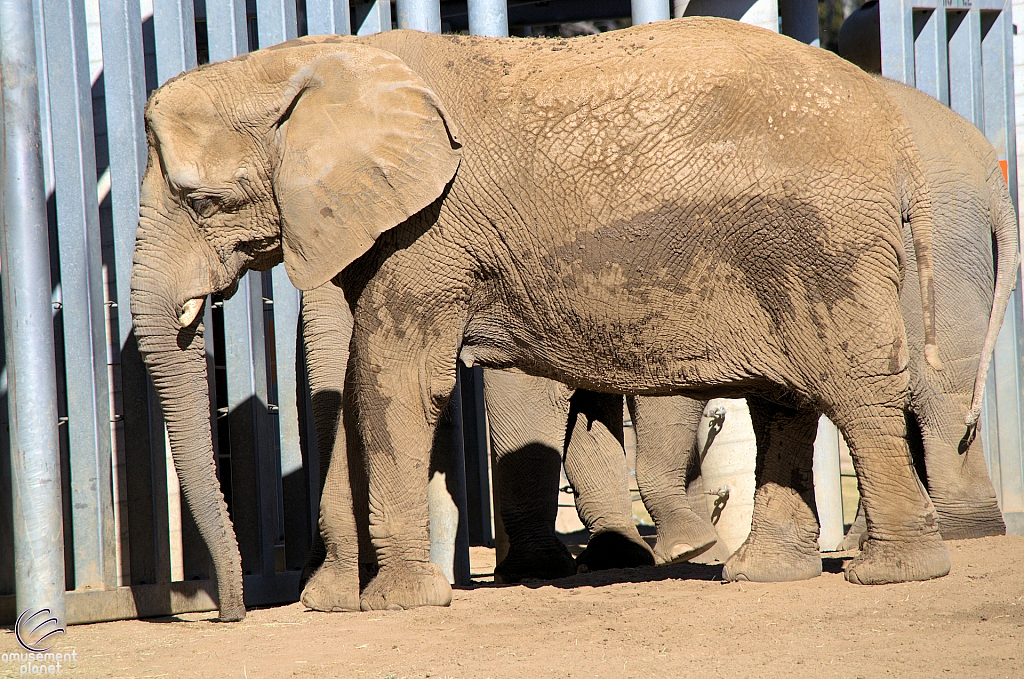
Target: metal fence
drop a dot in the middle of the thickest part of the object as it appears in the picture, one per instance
(130, 548)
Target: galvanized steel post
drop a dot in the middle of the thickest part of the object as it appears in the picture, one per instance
(966, 91)
(648, 11)
(419, 15)
(328, 17)
(28, 325)
(372, 17)
(488, 17)
(931, 70)
(896, 23)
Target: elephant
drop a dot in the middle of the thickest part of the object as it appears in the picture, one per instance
(579, 210)
(975, 253)
(535, 424)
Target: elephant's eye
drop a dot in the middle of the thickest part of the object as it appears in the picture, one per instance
(204, 207)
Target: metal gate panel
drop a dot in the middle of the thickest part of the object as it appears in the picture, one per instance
(82, 308)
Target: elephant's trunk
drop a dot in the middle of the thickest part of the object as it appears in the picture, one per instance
(1004, 228)
(175, 358)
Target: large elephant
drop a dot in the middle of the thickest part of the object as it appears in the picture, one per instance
(975, 252)
(696, 207)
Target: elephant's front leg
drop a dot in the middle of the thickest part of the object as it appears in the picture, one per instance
(595, 465)
(527, 417)
(332, 573)
(399, 384)
(783, 540)
(666, 461)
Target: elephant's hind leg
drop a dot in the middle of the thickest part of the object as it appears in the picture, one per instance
(783, 540)
(527, 417)
(903, 536)
(595, 464)
(666, 461)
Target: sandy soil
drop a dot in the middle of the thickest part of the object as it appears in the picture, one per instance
(657, 622)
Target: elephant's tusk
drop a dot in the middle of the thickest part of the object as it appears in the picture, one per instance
(189, 311)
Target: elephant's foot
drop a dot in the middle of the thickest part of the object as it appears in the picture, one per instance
(882, 562)
(962, 520)
(545, 559)
(408, 585)
(614, 549)
(773, 560)
(682, 537)
(333, 588)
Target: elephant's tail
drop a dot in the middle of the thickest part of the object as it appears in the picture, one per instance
(1004, 230)
(917, 210)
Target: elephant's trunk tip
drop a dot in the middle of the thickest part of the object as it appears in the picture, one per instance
(931, 355)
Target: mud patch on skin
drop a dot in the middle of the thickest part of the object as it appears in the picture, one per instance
(777, 248)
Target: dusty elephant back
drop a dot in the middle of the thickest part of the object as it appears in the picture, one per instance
(673, 141)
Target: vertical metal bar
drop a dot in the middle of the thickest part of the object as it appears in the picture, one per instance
(966, 95)
(276, 21)
(28, 327)
(372, 17)
(828, 488)
(999, 117)
(124, 78)
(799, 20)
(81, 267)
(289, 388)
(174, 27)
(226, 29)
(896, 25)
(488, 17)
(457, 489)
(648, 11)
(763, 13)
(419, 15)
(249, 425)
(44, 97)
(478, 487)
(328, 17)
(930, 54)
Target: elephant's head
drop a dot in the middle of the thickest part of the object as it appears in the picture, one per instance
(303, 153)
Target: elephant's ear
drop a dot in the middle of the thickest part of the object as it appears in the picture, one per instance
(363, 145)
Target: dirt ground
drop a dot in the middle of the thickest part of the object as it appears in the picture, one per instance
(677, 621)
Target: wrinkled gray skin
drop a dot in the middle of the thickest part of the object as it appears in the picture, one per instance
(975, 259)
(647, 211)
